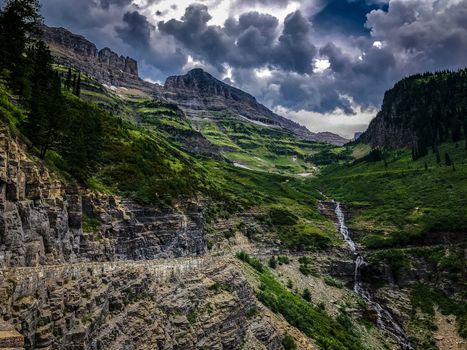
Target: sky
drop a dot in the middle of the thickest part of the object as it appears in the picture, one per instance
(323, 63)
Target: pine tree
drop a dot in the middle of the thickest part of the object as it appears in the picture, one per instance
(77, 90)
(45, 120)
(20, 23)
(438, 156)
(68, 80)
(447, 159)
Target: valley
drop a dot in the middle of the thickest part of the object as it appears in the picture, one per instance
(190, 216)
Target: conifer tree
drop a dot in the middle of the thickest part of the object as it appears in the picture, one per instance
(448, 159)
(77, 91)
(306, 295)
(20, 23)
(68, 80)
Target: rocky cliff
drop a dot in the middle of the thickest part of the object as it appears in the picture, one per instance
(105, 65)
(45, 221)
(180, 304)
(69, 276)
(195, 92)
(199, 91)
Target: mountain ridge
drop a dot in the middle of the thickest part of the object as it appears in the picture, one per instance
(195, 91)
(421, 112)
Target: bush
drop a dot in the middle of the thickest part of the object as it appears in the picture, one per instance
(253, 262)
(282, 217)
(306, 294)
(288, 342)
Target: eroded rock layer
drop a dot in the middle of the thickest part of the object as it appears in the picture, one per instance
(196, 303)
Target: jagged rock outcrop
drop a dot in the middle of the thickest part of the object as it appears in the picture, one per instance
(199, 91)
(181, 304)
(41, 219)
(105, 65)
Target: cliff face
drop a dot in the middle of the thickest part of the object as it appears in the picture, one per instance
(195, 92)
(105, 65)
(390, 128)
(83, 271)
(147, 305)
(41, 220)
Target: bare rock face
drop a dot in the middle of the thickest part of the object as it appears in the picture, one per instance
(105, 65)
(84, 271)
(201, 303)
(41, 220)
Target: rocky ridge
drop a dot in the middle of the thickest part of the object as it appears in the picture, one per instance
(195, 93)
(198, 91)
(105, 65)
(45, 221)
(77, 270)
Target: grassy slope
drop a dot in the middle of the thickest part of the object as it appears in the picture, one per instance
(404, 200)
(329, 333)
(394, 209)
(141, 160)
(261, 148)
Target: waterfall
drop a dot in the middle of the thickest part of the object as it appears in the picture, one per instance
(385, 319)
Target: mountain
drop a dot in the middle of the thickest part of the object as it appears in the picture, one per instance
(420, 112)
(199, 91)
(196, 92)
(105, 65)
(115, 234)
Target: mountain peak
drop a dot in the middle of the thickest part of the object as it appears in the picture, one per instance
(198, 72)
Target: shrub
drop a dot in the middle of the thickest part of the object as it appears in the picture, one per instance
(282, 217)
(306, 294)
(288, 342)
(253, 262)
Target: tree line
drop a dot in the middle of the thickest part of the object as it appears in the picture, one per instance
(55, 119)
(435, 109)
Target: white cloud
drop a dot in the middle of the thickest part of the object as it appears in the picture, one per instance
(263, 73)
(337, 121)
(320, 65)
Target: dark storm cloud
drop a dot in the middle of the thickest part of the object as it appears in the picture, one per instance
(137, 30)
(246, 42)
(411, 36)
(295, 51)
(120, 3)
(435, 33)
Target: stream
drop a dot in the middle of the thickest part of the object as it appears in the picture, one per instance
(385, 319)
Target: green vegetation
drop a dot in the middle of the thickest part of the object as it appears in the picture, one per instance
(90, 224)
(305, 267)
(434, 106)
(192, 317)
(311, 320)
(252, 261)
(399, 202)
(288, 342)
(333, 282)
(263, 148)
(425, 298)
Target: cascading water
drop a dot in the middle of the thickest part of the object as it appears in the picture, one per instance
(385, 319)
